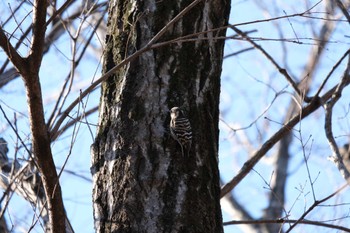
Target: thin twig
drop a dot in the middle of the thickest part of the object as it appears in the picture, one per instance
(74, 121)
(59, 105)
(270, 58)
(305, 111)
(16, 132)
(315, 204)
(331, 72)
(133, 56)
(279, 221)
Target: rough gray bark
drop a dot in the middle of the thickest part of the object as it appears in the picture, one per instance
(142, 183)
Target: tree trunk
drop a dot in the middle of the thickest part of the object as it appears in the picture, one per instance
(142, 182)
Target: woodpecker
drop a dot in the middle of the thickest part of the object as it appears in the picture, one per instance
(180, 129)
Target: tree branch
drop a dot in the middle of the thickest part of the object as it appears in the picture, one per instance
(279, 221)
(38, 38)
(336, 157)
(10, 51)
(40, 137)
(133, 56)
(343, 9)
(26, 182)
(315, 204)
(307, 110)
(55, 33)
(269, 57)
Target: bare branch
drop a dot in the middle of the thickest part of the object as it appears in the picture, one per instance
(237, 211)
(133, 56)
(17, 45)
(10, 51)
(8, 76)
(59, 104)
(40, 137)
(55, 33)
(65, 5)
(38, 38)
(315, 204)
(279, 221)
(26, 182)
(343, 9)
(305, 111)
(331, 72)
(270, 58)
(336, 157)
(73, 121)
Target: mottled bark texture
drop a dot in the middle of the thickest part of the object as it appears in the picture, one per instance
(142, 183)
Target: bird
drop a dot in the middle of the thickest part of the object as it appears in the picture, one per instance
(180, 129)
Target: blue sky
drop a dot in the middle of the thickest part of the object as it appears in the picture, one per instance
(249, 85)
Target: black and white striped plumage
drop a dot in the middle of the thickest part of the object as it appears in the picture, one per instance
(180, 129)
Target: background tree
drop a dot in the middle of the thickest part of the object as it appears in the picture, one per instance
(41, 134)
(283, 83)
(302, 145)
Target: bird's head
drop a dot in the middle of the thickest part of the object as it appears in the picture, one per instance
(175, 112)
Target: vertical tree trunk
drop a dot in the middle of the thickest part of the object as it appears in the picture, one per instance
(142, 183)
